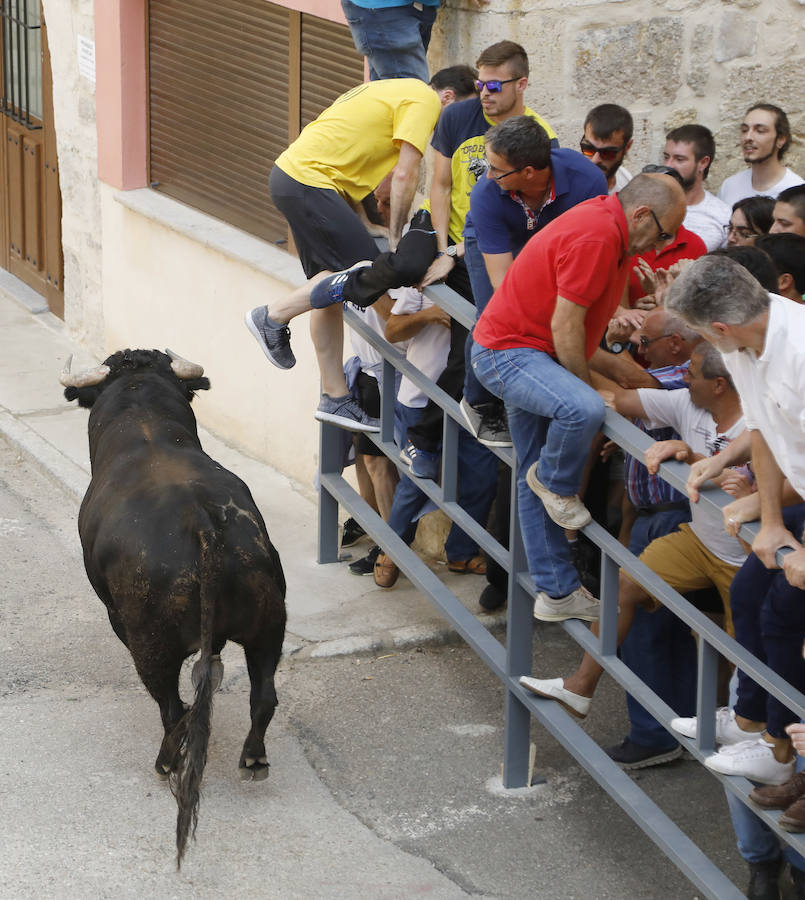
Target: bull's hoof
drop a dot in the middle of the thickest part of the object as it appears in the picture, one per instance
(254, 769)
(216, 673)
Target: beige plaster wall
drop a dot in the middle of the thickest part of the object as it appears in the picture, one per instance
(667, 62)
(163, 288)
(77, 148)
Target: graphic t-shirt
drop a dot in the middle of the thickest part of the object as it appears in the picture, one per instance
(459, 136)
(355, 143)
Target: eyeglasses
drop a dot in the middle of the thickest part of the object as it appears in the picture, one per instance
(503, 174)
(647, 342)
(663, 170)
(495, 86)
(663, 235)
(606, 153)
(741, 230)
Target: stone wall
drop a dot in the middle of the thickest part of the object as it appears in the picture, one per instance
(668, 62)
(77, 145)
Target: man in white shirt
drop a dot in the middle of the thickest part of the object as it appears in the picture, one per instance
(606, 140)
(699, 555)
(691, 149)
(765, 138)
(762, 339)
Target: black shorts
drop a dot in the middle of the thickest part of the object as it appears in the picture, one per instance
(327, 232)
(368, 391)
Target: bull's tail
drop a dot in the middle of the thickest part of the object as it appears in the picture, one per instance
(195, 729)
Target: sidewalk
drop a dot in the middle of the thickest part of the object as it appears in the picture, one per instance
(330, 611)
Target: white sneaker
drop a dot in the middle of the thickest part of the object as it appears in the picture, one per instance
(754, 760)
(569, 512)
(579, 605)
(727, 729)
(554, 689)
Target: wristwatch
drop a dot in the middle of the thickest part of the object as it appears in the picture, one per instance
(452, 252)
(616, 347)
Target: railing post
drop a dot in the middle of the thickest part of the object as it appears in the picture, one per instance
(519, 641)
(330, 462)
(608, 623)
(450, 440)
(706, 696)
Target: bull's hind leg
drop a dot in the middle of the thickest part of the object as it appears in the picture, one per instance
(262, 664)
(159, 670)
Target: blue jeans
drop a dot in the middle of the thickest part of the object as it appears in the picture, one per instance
(659, 647)
(477, 481)
(482, 290)
(756, 841)
(769, 618)
(393, 39)
(553, 418)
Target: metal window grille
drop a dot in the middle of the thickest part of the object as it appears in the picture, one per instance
(513, 659)
(21, 98)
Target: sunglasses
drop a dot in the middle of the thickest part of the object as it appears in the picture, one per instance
(606, 153)
(495, 86)
(663, 234)
(647, 342)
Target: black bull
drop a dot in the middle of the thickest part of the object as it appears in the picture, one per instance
(178, 552)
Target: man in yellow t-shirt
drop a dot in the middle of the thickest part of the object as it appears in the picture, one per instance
(318, 184)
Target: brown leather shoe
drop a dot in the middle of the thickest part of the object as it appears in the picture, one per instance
(386, 572)
(781, 796)
(793, 819)
(474, 566)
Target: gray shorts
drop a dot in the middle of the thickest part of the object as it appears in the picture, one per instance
(327, 232)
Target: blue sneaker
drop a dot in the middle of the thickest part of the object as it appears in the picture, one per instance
(424, 463)
(346, 413)
(330, 290)
(274, 339)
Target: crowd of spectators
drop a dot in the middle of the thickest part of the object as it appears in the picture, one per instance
(678, 307)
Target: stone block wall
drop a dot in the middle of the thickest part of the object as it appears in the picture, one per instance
(668, 61)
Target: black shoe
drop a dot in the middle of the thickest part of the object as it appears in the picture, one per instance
(492, 597)
(421, 221)
(764, 880)
(629, 755)
(352, 533)
(365, 566)
(274, 340)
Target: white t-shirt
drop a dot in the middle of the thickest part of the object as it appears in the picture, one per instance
(427, 350)
(738, 186)
(698, 430)
(772, 387)
(707, 219)
(622, 178)
(371, 360)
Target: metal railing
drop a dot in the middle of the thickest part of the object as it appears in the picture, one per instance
(510, 661)
(20, 36)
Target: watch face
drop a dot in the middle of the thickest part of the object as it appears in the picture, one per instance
(452, 251)
(617, 347)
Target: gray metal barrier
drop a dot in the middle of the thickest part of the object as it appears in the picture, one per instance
(510, 661)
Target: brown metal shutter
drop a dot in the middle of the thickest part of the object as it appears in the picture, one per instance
(228, 83)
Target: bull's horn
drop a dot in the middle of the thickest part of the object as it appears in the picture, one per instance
(183, 368)
(82, 379)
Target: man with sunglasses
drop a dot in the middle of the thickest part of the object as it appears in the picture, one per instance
(606, 141)
(458, 163)
(531, 348)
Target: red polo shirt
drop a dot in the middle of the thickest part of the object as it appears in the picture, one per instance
(685, 245)
(580, 256)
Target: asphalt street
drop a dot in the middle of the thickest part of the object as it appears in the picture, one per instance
(385, 778)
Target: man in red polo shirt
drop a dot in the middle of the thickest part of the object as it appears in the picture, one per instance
(531, 347)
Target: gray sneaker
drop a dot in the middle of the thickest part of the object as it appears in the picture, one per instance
(346, 413)
(274, 341)
(579, 605)
(569, 512)
(487, 421)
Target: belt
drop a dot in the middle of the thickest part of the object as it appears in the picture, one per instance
(662, 507)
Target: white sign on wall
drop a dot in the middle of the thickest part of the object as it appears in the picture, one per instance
(86, 58)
